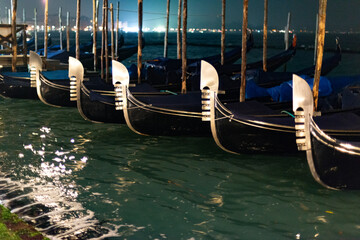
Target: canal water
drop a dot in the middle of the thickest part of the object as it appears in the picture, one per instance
(74, 179)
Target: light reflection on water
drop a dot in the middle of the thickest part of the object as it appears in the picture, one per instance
(51, 189)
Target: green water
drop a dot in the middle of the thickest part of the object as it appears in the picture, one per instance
(107, 181)
(78, 180)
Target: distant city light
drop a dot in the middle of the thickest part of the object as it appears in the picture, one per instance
(159, 29)
(131, 29)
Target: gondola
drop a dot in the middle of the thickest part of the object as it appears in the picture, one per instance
(21, 84)
(95, 99)
(180, 121)
(91, 105)
(334, 163)
(53, 88)
(179, 114)
(256, 126)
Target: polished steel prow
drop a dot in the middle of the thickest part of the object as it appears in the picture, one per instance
(209, 86)
(35, 66)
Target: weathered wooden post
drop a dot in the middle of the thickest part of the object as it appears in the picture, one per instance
(316, 37)
(287, 29)
(243, 50)
(67, 31)
(6, 15)
(60, 28)
(178, 38)
(13, 35)
(286, 36)
(46, 28)
(223, 32)
(24, 50)
(102, 40)
(24, 38)
(106, 40)
(183, 57)
(139, 55)
(117, 30)
(320, 50)
(94, 33)
(112, 31)
(78, 29)
(167, 29)
(265, 31)
(9, 16)
(35, 30)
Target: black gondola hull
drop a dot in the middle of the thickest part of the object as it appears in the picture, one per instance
(336, 166)
(148, 119)
(247, 136)
(99, 111)
(55, 92)
(17, 88)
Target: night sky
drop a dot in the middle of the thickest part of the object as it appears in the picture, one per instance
(342, 15)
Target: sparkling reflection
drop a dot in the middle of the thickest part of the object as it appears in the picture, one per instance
(46, 195)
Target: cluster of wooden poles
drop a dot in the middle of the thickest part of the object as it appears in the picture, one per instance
(180, 54)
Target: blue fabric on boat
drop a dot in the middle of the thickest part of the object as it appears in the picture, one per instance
(283, 92)
(56, 75)
(254, 91)
(16, 74)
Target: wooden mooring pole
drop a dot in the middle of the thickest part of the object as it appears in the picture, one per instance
(102, 40)
(265, 35)
(106, 31)
(139, 55)
(67, 31)
(9, 16)
(287, 29)
(77, 41)
(60, 28)
(94, 33)
(320, 50)
(112, 31)
(243, 50)
(13, 34)
(223, 32)
(24, 50)
(183, 57)
(316, 37)
(46, 28)
(166, 37)
(117, 30)
(178, 36)
(35, 29)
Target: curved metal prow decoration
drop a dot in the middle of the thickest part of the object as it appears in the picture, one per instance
(120, 73)
(121, 80)
(303, 107)
(76, 75)
(35, 65)
(209, 85)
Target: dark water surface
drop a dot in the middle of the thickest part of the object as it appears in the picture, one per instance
(78, 180)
